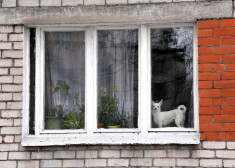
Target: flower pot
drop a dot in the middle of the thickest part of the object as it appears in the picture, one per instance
(101, 125)
(52, 123)
(113, 126)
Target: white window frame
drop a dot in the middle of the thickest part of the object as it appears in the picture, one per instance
(144, 134)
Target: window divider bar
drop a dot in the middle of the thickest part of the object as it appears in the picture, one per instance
(143, 78)
(90, 86)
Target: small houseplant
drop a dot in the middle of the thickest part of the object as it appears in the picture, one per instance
(55, 121)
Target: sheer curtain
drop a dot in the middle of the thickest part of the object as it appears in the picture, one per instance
(118, 67)
(65, 62)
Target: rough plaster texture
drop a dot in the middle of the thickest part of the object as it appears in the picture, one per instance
(186, 11)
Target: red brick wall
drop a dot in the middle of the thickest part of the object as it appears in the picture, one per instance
(216, 59)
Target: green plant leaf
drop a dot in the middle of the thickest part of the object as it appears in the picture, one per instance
(62, 86)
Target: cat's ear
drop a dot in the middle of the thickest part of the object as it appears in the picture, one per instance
(153, 103)
(160, 103)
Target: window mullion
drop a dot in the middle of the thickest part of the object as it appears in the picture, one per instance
(90, 80)
(144, 83)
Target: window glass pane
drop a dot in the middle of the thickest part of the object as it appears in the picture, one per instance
(172, 77)
(64, 80)
(117, 78)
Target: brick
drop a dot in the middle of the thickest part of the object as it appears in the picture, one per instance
(3, 37)
(229, 127)
(115, 2)
(213, 145)
(211, 162)
(225, 154)
(17, 96)
(208, 41)
(204, 67)
(224, 136)
(50, 3)
(5, 45)
(8, 139)
(12, 88)
(2, 105)
(229, 163)
(28, 164)
(209, 76)
(118, 162)
(87, 154)
(8, 164)
(6, 79)
(224, 118)
(209, 59)
(178, 153)
(3, 155)
(64, 154)
(16, 71)
(5, 96)
(132, 153)
(228, 75)
(3, 71)
(138, 1)
(231, 145)
(18, 138)
(209, 93)
(228, 92)
(6, 122)
(211, 127)
(50, 163)
(11, 130)
(9, 147)
(73, 163)
(19, 155)
(72, 2)
(18, 45)
(155, 153)
(95, 162)
(141, 162)
(18, 62)
(225, 50)
(12, 54)
(229, 110)
(205, 51)
(6, 29)
(42, 155)
(205, 32)
(6, 63)
(224, 32)
(14, 105)
(205, 84)
(19, 29)
(227, 40)
(28, 2)
(187, 162)
(18, 80)
(203, 154)
(164, 162)
(160, 1)
(16, 37)
(17, 122)
(224, 84)
(212, 136)
(219, 67)
(205, 101)
(228, 58)
(232, 137)
(205, 118)
(109, 154)
(227, 23)
(207, 24)
(11, 114)
(203, 136)
(230, 67)
(92, 2)
(219, 101)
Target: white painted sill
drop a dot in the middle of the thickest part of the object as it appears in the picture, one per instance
(112, 139)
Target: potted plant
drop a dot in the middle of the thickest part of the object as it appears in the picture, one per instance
(107, 107)
(55, 121)
(124, 120)
(73, 120)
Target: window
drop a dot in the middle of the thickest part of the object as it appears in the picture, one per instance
(119, 84)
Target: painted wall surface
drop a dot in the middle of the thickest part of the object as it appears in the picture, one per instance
(216, 48)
